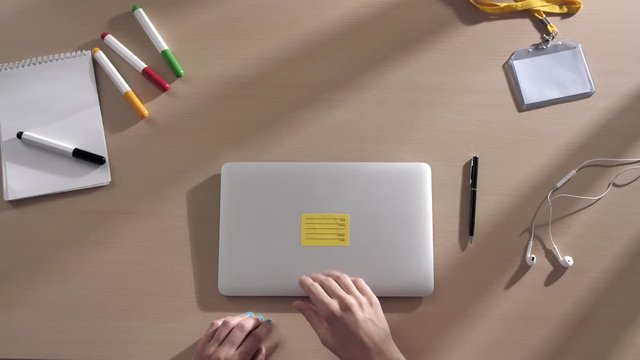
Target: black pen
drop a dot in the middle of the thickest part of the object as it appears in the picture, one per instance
(474, 191)
(61, 148)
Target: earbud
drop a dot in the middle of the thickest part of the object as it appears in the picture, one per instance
(530, 259)
(566, 261)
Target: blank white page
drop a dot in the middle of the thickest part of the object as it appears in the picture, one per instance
(55, 97)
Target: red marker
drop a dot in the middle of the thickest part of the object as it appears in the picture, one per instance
(134, 61)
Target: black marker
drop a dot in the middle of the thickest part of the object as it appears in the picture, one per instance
(60, 148)
(474, 191)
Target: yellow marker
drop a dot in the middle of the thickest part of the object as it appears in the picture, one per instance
(324, 230)
(122, 86)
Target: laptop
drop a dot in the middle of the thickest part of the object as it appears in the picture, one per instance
(279, 221)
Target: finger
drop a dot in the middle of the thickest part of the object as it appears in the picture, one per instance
(365, 291)
(260, 354)
(225, 328)
(322, 301)
(254, 340)
(330, 286)
(239, 333)
(211, 330)
(208, 335)
(345, 283)
(313, 318)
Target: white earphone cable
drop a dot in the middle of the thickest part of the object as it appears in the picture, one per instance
(592, 198)
(620, 161)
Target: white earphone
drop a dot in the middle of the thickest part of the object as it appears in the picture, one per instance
(567, 261)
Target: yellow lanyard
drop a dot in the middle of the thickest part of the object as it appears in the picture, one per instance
(536, 7)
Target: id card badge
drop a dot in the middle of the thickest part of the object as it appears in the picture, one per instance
(549, 73)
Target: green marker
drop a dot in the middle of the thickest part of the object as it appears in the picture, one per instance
(157, 41)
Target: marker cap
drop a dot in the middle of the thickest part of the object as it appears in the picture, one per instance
(173, 63)
(88, 156)
(156, 79)
(135, 103)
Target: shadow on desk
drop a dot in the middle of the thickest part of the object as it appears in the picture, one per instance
(465, 199)
(607, 317)
(203, 206)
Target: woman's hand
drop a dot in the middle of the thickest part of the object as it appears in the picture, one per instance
(239, 337)
(347, 317)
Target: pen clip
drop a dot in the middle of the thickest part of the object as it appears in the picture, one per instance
(471, 166)
(473, 173)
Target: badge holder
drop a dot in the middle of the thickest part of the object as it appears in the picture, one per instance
(548, 73)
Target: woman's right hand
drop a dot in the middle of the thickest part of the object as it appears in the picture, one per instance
(347, 317)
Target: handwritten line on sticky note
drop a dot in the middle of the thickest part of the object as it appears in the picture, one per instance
(324, 230)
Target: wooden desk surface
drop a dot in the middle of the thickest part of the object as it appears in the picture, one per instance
(128, 271)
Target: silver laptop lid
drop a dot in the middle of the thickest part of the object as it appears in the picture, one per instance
(279, 221)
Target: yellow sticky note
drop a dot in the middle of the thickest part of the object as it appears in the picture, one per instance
(324, 230)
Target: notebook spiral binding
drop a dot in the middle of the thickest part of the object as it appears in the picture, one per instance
(42, 60)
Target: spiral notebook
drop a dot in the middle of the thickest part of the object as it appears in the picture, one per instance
(56, 97)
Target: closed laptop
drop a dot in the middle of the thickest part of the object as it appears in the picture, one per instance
(279, 221)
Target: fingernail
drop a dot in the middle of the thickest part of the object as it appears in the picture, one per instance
(260, 317)
(269, 321)
(249, 314)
